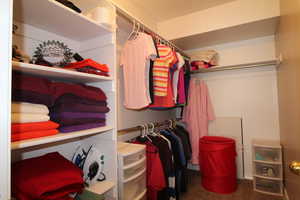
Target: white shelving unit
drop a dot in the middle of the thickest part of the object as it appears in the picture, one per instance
(45, 20)
(54, 17)
(131, 171)
(267, 167)
(58, 137)
(58, 73)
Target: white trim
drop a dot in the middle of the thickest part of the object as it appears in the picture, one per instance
(5, 85)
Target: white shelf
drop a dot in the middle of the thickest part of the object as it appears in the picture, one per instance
(54, 17)
(58, 137)
(101, 187)
(235, 67)
(58, 73)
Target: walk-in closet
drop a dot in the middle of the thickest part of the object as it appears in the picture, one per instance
(149, 100)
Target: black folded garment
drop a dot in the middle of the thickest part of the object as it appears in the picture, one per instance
(69, 4)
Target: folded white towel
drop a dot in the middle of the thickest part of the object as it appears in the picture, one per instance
(26, 118)
(22, 107)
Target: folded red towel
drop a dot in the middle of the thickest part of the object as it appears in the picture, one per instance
(32, 134)
(33, 126)
(87, 62)
(48, 177)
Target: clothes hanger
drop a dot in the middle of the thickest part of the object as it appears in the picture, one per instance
(133, 29)
(137, 31)
(152, 131)
(145, 132)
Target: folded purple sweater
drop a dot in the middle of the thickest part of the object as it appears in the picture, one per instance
(77, 115)
(78, 107)
(67, 129)
(71, 98)
(70, 122)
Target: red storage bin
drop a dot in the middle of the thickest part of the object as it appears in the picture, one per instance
(217, 164)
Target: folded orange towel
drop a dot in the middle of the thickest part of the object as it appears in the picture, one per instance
(33, 126)
(32, 134)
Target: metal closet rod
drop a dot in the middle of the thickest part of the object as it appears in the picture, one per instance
(140, 127)
(238, 66)
(131, 19)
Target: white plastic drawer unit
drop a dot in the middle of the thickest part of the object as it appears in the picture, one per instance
(268, 170)
(267, 154)
(135, 187)
(131, 153)
(131, 170)
(268, 186)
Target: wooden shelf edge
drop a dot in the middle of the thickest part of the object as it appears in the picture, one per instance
(58, 137)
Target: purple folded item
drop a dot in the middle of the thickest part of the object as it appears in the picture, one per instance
(77, 107)
(32, 97)
(70, 98)
(70, 122)
(67, 129)
(76, 115)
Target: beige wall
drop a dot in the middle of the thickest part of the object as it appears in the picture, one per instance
(219, 17)
(145, 16)
(289, 89)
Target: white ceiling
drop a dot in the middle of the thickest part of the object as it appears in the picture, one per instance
(167, 9)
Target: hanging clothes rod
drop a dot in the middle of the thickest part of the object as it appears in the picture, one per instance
(140, 127)
(131, 19)
(239, 66)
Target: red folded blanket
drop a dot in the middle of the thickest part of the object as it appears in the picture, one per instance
(33, 126)
(32, 134)
(48, 177)
(87, 62)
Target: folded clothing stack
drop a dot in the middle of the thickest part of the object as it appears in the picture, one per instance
(78, 108)
(204, 59)
(74, 106)
(48, 177)
(89, 66)
(31, 121)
